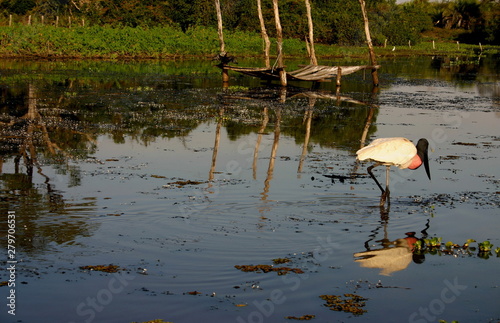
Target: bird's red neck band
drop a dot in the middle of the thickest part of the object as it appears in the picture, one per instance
(415, 162)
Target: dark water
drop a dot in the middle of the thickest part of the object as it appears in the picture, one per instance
(157, 169)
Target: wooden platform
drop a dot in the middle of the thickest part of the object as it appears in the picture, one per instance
(315, 73)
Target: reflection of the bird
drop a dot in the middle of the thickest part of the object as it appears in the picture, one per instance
(393, 255)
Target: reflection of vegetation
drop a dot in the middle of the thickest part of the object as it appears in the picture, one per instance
(33, 135)
(48, 117)
(332, 126)
(51, 117)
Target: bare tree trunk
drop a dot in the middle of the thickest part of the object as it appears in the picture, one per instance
(279, 39)
(219, 26)
(265, 36)
(312, 53)
(373, 60)
(222, 54)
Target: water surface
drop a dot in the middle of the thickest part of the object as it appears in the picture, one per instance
(158, 169)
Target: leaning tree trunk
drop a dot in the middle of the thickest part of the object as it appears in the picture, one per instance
(312, 53)
(279, 40)
(265, 36)
(373, 60)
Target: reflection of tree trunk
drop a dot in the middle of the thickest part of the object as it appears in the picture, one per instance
(259, 139)
(274, 150)
(368, 123)
(307, 118)
(265, 36)
(282, 94)
(32, 113)
(216, 145)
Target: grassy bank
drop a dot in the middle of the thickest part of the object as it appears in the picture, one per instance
(167, 42)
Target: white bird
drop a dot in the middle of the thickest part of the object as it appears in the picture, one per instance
(395, 151)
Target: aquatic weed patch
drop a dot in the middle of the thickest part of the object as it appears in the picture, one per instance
(104, 268)
(305, 317)
(268, 268)
(350, 303)
(483, 199)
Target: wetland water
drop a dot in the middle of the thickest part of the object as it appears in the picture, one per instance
(155, 168)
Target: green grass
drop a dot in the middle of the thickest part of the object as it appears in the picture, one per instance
(166, 42)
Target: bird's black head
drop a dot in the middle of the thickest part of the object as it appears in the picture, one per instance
(422, 147)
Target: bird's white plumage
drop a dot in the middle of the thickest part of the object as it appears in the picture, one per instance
(395, 151)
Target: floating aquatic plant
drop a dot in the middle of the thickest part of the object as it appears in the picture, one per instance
(485, 246)
(433, 242)
(351, 303)
(105, 268)
(268, 268)
(466, 244)
(306, 317)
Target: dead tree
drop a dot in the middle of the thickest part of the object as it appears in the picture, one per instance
(279, 40)
(310, 47)
(265, 36)
(373, 60)
(222, 54)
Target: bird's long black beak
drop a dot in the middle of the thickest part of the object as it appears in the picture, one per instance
(422, 147)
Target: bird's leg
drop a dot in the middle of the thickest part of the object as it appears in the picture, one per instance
(386, 194)
(369, 169)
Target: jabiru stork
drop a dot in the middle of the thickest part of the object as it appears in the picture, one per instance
(396, 151)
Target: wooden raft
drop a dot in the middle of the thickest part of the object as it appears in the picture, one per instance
(306, 73)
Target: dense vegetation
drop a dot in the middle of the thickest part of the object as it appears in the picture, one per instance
(178, 27)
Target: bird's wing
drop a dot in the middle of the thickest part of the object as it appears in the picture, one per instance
(395, 151)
